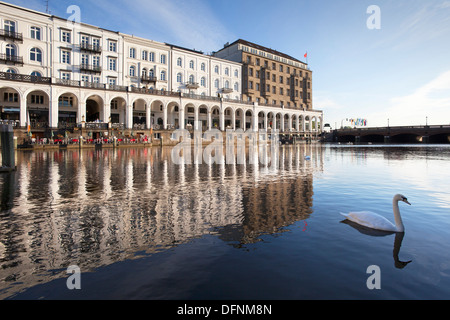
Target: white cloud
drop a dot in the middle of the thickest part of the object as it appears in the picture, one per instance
(432, 100)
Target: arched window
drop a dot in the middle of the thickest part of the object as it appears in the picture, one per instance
(227, 84)
(179, 77)
(203, 82)
(179, 62)
(132, 71)
(191, 78)
(151, 73)
(216, 69)
(203, 67)
(10, 49)
(191, 64)
(216, 83)
(36, 74)
(236, 86)
(236, 73)
(36, 54)
(11, 71)
(144, 73)
(227, 71)
(163, 75)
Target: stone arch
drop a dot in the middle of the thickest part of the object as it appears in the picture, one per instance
(95, 108)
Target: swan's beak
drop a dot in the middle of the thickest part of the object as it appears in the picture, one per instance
(406, 201)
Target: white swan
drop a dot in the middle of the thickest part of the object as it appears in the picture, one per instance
(375, 221)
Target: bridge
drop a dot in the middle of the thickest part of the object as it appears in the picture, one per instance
(397, 134)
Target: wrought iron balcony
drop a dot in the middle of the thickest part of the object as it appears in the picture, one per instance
(15, 36)
(10, 59)
(192, 85)
(90, 47)
(90, 68)
(227, 90)
(148, 79)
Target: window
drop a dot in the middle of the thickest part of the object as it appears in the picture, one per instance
(11, 71)
(151, 57)
(216, 69)
(203, 67)
(35, 33)
(112, 81)
(236, 86)
(227, 84)
(236, 73)
(10, 26)
(144, 55)
(216, 83)
(65, 75)
(10, 49)
(96, 61)
(163, 59)
(65, 56)
(191, 79)
(36, 74)
(11, 97)
(163, 75)
(85, 78)
(96, 43)
(112, 46)
(281, 68)
(85, 59)
(179, 62)
(112, 64)
(84, 41)
(36, 55)
(179, 78)
(203, 82)
(191, 64)
(132, 71)
(132, 53)
(65, 101)
(227, 72)
(151, 73)
(65, 36)
(37, 99)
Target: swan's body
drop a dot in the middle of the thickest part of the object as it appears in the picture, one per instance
(375, 221)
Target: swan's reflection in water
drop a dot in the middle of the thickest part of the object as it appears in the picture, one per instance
(379, 233)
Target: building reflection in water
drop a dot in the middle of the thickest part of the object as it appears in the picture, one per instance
(96, 207)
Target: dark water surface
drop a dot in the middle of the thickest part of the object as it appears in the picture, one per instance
(141, 227)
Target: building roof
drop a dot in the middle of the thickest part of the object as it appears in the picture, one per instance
(259, 47)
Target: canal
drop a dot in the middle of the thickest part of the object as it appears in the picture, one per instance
(139, 225)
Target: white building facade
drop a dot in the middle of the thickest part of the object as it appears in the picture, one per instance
(56, 73)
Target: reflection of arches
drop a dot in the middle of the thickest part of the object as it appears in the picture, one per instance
(94, 108)
(270, 120)
(190, 114)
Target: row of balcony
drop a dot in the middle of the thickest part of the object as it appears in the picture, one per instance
(11, 35)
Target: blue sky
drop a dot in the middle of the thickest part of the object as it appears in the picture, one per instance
(399, 72)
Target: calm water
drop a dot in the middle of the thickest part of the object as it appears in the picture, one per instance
(140, 227)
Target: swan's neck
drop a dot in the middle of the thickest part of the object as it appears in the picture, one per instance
(397, 217)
